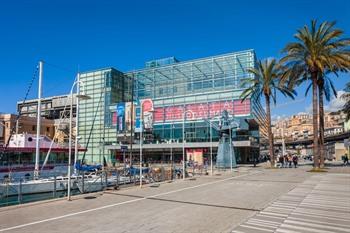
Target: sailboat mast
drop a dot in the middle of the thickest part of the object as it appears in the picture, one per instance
(38, 123)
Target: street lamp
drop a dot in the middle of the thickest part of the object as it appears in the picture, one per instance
(183, 143)
(171, 151)
(82, 96)
(141, 142)
(230, 149)
(211, 148)
(232, 124)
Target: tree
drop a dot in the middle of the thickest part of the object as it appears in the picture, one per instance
(319, 49)
(266, 83)
(346, 97)
(325, 89)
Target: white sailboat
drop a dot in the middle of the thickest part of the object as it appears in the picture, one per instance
(10, 188)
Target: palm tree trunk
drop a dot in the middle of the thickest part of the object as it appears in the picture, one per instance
(321, 126)
(269, 131)
(315, 119)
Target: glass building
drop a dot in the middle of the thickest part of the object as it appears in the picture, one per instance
(174, 95)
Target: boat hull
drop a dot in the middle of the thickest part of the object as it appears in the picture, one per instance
(33, 187)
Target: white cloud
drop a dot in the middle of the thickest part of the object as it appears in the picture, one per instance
(336, 103)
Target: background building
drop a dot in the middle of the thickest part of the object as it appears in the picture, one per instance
(172, 93)
(299, 127)
(56, 108)
(26, 124)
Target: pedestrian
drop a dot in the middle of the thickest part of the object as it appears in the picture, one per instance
(281, 161)
(290, 161)
(285, 159)
(295, 161)
(345, 159)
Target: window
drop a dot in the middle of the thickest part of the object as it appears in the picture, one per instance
(48, 129)
(33, 128)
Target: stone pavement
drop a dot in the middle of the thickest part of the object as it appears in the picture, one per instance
(320, 204)
(207, 204)
(254, 199)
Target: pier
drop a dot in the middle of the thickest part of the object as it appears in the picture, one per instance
(218, 203)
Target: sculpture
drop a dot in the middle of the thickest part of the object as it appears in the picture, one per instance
(226, 154)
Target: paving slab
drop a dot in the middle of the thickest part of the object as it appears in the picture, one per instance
(320, 204)
(207, 204)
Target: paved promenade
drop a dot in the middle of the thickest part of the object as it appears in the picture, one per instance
(265, 200)
(320, 204)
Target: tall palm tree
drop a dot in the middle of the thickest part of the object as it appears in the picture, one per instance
(319, 49)
(346, 97)
(325, 89)
(266, 82)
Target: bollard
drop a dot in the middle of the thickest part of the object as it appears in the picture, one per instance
(83, 184)
(54, 187)
(106, 179)
(20, 191)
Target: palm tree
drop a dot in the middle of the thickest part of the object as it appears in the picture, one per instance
(319, 49)
(325, 89)
(266, 82)
(346, 97)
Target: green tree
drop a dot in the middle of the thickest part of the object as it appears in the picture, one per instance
(266, 83)
(318, 50)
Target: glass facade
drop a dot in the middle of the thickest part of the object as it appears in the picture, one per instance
(104, 87)
(189, 93)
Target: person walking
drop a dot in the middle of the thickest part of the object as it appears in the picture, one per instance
(345, 159)
(290, 161)
(285, 158)
(281, 161)
(295, 161)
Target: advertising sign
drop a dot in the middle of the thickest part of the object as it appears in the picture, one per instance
(201, 110)
(137, 120)
(147, 113)
(128, 116)
(120, 116)
(195, 155)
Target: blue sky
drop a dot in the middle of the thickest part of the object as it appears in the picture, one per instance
(85, 35)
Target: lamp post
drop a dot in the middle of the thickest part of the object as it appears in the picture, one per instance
(183, 144)
(230, 150)
(171, 151)
(77, 82)
(141, 142)
(232, 124)
(211, 148)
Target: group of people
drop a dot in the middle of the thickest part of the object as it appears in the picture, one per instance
(287, 160)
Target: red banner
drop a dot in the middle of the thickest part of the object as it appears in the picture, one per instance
(198, 111)
(201, 110)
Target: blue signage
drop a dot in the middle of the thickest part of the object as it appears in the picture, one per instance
(120, 116)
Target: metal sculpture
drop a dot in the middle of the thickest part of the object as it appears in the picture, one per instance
(226, 156)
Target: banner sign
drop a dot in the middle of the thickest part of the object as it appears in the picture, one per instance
(120, 116)
(150, 114)
(195, 155)
(147, 113)
(128, 116)
(201, 110)
(137, 120)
